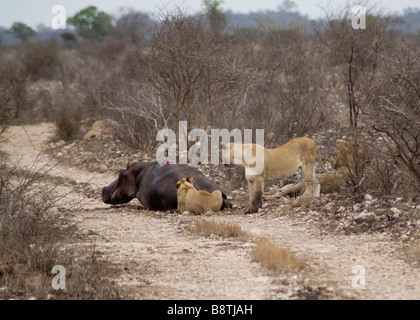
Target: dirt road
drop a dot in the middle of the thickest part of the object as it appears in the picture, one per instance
(158, 259)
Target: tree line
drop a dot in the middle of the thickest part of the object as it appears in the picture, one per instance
(91, 23)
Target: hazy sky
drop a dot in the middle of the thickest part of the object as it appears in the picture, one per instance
(34, 12)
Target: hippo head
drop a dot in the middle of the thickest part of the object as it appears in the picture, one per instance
(123, 189)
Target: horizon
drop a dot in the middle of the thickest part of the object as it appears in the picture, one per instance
(34, 14)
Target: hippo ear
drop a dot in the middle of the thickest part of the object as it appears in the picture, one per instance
(128, 165)
(190, 179)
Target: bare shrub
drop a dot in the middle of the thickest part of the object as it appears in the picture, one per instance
(7, 112)
(186, 72)
(104, 88)
(13, 83)
(28, 74)
(67, 115)
(384, 177)
(40, 59)
(354, 50)
(194, 72)
(182, 72)
(393, 108)
(291, 99)
(138, 109)
(29, 235)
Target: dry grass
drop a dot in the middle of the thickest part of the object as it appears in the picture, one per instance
(275, 258)
(270, 256)
(208, 228)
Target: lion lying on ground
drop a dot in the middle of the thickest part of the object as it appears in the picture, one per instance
(278, 163)
(197, 201)
(348, 156)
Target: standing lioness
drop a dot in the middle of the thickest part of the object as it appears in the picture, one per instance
(278, 163)
(197, 201)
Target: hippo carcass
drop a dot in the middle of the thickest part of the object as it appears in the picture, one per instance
(152, 183)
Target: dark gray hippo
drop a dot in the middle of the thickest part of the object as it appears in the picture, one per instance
(152, 183)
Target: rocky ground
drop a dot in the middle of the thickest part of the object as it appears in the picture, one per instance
(154, 257)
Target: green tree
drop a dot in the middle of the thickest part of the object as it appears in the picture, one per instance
(21, 31)
(215, 15)
(91, 23)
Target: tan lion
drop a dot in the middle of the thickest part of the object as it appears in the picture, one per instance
(278, 163)
(348, 156)
(197, 201)
(329, 183)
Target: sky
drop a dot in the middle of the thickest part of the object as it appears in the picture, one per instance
(35, 12)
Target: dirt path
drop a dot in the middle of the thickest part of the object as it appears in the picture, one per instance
(157, 259)
(333, 258)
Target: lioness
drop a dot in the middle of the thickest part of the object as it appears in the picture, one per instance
(197, 201)
(278, 163)
(329, 183)
(349, 156)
